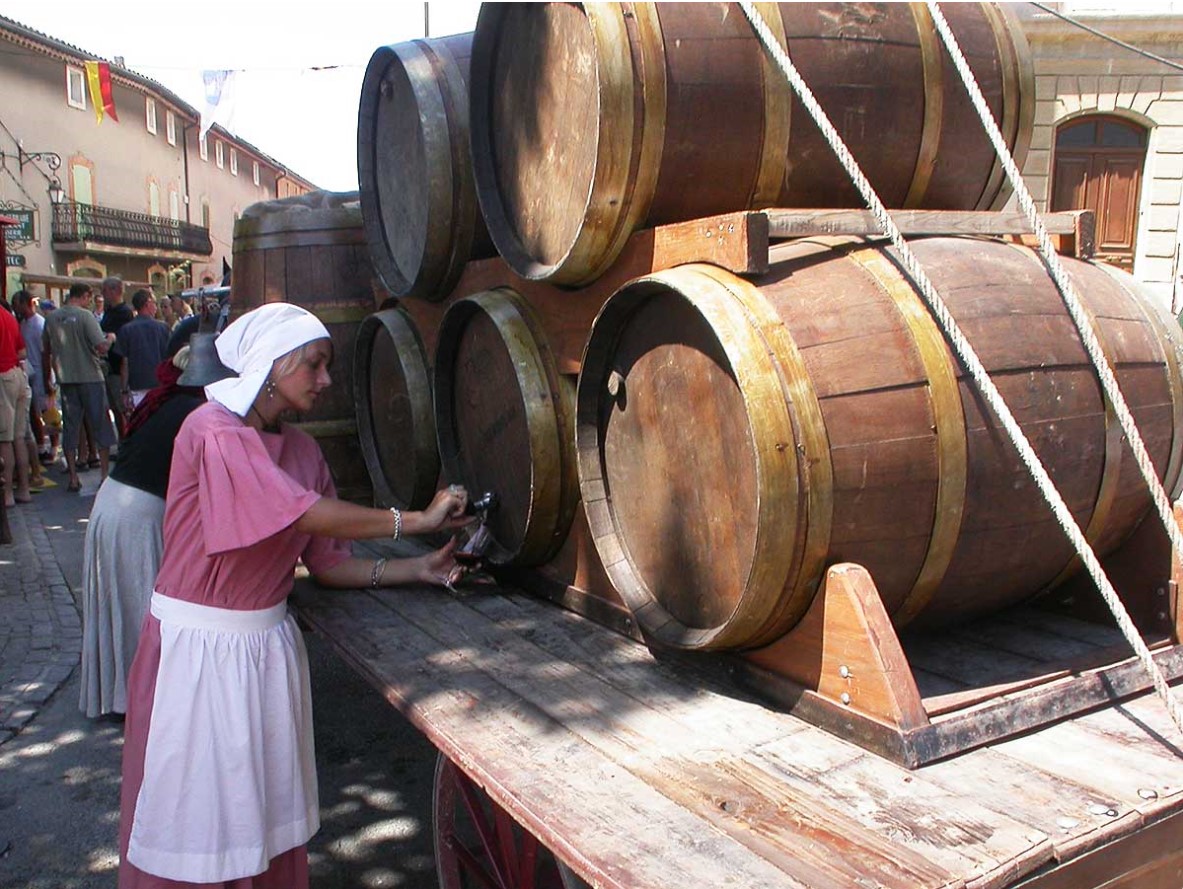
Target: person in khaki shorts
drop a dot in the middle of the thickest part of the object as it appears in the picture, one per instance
(14, 410)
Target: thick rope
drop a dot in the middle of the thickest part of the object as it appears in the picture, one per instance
(969, 359)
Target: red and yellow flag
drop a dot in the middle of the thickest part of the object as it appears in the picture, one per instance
(98, 77)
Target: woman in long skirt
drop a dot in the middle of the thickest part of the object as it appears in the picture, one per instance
(219, 779)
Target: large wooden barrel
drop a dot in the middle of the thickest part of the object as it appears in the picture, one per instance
(395, 419)
(414, 166)
(736, 438)
(504, 419)
(311, 251)
(590, 121)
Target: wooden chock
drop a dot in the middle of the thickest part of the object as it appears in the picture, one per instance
(846, 652)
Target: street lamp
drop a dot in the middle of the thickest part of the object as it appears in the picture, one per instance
(56, 192)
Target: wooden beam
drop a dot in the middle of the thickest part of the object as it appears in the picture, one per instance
(807, 223)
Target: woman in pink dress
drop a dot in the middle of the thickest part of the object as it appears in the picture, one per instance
(219, 778)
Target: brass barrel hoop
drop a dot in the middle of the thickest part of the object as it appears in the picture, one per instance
(997, 183)
(1025, 100)
(422, 69)
(763, 398)
(548, 419)
(944, 395)
(412, 358)
(608, 199)
(504, 308)
(814, 474)
(932, 64)
(326, 238)
(778, 108)
(1171, 339)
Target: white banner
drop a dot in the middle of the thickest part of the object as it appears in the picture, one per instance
(219, 99)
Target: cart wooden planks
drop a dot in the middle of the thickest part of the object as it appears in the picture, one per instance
(646, 772)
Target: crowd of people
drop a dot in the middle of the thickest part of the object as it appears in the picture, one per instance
(212, 500)
(60, 354)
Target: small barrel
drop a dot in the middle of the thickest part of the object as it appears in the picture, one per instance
(736, 438)
(505, 422)
(414, 166)
(395, 419)
(591, 121)
(311, 251)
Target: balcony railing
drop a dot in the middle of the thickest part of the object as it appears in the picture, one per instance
(77, 223)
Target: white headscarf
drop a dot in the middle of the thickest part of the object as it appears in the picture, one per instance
(250, 345)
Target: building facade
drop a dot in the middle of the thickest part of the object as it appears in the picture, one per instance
(141, 197)
(1109, 130)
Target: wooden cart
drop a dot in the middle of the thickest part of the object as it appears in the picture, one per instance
(638, 772)
(1028, 754)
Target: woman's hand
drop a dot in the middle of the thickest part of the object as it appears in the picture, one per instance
(446, 510)
(440, 567)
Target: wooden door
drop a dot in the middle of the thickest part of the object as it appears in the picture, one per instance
(1098, 167)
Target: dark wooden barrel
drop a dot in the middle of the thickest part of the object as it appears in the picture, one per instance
(311, 251)
(504, 419)
(395, 419)
(414, 166)
(591, 121)
(736, 438)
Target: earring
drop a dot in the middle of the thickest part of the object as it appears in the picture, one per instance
(269, 388)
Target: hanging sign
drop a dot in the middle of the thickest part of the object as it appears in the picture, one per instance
(25, 228)
(14, 261)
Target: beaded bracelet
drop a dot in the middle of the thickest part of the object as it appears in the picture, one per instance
(398, 522)
(377, 572)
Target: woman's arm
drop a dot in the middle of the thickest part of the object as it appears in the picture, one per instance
(432, 568)
(337, 518)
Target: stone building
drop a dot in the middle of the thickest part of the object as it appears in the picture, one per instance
(141, 197)
(1109, 129)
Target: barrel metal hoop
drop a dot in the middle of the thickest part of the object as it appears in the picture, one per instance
(422, 72)
(949, 422)
(464, 209)
(412, 358)
(761, 391)
(933, 65)
(996, 184)
(550, 512)
(547, 417)
(778, 108)
(367, 165)
(814, 473)
(1025, 100)
(611, 200)
(1114, 440)
(331, 222)
(1171, 339)
(330, 237)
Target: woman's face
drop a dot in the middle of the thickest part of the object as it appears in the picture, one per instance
(300, 386)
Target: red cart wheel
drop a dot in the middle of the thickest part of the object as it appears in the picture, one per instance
(479, 846)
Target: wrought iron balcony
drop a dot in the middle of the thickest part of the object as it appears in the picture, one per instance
(88, 224)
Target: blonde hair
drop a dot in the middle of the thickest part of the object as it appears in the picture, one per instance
(287, 364)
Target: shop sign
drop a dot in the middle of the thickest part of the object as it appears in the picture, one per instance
(25, 228)
(14, 261)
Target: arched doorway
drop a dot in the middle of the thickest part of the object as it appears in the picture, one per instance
(1098, 167)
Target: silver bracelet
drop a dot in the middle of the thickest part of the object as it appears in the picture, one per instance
(377, 572)
(398, 522)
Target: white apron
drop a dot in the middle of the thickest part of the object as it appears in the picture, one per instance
(229, 769)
